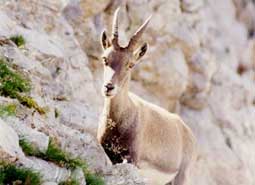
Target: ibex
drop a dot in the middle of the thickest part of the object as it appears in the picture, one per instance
(133, 130)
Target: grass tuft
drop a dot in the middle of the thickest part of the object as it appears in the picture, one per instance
(69, 182)
(13, 84)
(18, 40)
(53, 154)
(30, 103)
(93, 179)
(11, 174)
(56, 155)
(28, 148)
(8, 110)
(61, 158)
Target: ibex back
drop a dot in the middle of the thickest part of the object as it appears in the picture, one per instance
(159, 143)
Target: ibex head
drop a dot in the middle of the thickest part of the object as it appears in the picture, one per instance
(118, 61)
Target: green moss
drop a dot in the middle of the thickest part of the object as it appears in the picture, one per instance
(11, 174)
(69, 182)
(18, 40)
(13, 84)
(8, 110)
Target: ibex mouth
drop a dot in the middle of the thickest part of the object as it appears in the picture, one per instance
(108, 95)
(108, 92)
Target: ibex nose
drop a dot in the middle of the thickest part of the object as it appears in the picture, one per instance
(109, 86)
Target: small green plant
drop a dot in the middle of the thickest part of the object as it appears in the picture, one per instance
(8, 110)
(11, 174)
(18, 40)
(30, 103)
(28, 148)
(13, 84)
(70, 181)
(93, 179)
(58, 156)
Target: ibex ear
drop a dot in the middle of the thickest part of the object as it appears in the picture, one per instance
(105, 43)
(141, 51)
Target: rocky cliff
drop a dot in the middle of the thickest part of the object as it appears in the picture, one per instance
(200, 64)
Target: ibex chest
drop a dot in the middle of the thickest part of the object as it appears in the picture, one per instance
(119, 143)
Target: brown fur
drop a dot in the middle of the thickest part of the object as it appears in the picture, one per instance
(131, 129)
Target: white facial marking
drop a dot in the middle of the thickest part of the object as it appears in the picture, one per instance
(108, 74)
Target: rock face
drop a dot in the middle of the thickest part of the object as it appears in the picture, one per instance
(200, 64)
(49, 171)
(9, 143)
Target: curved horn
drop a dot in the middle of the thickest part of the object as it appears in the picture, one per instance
(134, 39)
(115, 33)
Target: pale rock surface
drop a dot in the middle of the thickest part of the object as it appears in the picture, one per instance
(49, 171)
(38, 139)
(167, 71)
(78, 174)
(191, 5)
(9, 143)
(49, 183)
(200, 63)
(84, 146)
(124, 174)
